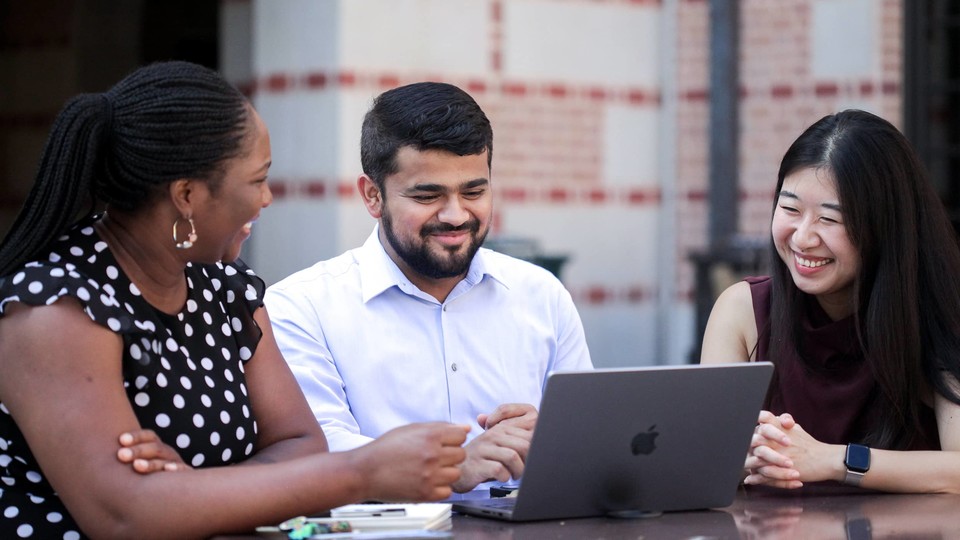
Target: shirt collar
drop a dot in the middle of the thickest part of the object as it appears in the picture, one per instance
(378, 272)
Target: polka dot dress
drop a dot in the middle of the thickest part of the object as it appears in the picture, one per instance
(183, 373)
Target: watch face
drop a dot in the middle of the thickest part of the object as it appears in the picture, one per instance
(858, 458)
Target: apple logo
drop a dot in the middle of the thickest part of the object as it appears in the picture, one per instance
(645, 441)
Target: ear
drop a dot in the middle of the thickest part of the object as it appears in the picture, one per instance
(182, 195)
(371, 195)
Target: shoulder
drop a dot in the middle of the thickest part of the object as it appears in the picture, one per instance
(736, 299)
(342, 267)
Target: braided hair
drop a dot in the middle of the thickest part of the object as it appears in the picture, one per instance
(164, 121)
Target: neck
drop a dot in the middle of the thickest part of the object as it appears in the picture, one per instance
(146, 254)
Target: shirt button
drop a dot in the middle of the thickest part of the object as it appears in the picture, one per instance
(453, 367)
(444, 308)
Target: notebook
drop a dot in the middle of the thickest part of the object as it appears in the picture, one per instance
(638, 441)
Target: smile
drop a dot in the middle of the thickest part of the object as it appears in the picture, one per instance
(809, 263)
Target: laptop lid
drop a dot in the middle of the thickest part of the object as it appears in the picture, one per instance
(648, 439)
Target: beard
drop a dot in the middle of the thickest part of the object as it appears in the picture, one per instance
(416, 252)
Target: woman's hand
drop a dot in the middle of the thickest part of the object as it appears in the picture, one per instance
(146, 453)
(782, 454)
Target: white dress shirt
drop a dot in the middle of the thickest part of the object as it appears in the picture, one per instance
(372, 352)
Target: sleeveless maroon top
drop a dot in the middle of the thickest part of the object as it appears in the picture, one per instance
(830, 391)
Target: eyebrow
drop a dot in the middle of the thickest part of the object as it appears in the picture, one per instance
(791, 195)
(438, 188)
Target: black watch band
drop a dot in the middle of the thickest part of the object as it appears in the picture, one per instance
(857, 461)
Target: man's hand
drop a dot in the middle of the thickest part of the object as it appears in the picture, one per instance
(146, 453)
(500, 452)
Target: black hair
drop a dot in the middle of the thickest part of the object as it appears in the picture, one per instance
(164, 121)
(425, 116)
(906, 301)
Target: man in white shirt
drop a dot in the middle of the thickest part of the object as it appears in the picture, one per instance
(421, 323)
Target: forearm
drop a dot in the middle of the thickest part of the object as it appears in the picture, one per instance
(292, 448)
(202, 502)
(913, 472)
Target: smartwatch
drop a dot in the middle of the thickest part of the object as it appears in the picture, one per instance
(857, 461)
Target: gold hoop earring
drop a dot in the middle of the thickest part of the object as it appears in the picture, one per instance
(191, 237)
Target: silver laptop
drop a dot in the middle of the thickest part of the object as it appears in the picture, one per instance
(629, 442)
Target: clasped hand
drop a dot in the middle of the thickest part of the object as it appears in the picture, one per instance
(782, 454)
(499, 453)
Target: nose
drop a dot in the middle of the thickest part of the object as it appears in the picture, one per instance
(805, 236)
(267, 195)
(453, 212)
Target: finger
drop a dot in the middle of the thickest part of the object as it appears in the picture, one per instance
(147, 466)
(772, 457)
(482, 420)
(509, 410)
(138, 436)
(778, 473)
(787, 420)
(452, 456)
(773, 433)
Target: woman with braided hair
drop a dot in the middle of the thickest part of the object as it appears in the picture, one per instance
(133, 340)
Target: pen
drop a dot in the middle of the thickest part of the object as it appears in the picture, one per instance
(379, 512)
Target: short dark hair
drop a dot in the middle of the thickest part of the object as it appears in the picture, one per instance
(162, 122)
(425, 116)
(906, 296)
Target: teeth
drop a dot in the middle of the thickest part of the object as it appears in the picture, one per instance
(248, 226)
(812, 264)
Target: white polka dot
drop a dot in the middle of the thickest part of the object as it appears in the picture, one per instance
(207, 318)
(165, 363)
(113, 324)
(187, 329)
(161, 380)
(7, 480)
(34, 476)
(76, 251)
(86, 231)
(206, 363)
(35, 287)
(246, 412)
(172, 344)
(205, 399)
(210, 341)
(225, 417)
(240, 433)
(229, 270)
(226, 454)
(83, 294)
(245, 353)
(5, 460)
(141, 381)
(25, 531)
(197, 460)
(251, 293)
(142, 399)
(249, 449)
(216, 284)
(54, 517)
(209, 381)
(228, 375)
(198, 420)
(163, 420)
(229, 396)
(191, 364)
(134, 290)
(226, 353)
(214, 438)
(36, 499)
(54, 257)
(108, 288)
(207, 295)
(57, 272)
(71, 535)
(191, 305)
(18, 278)
(185, 383)
(183, 440)
(11, 512)
(237, 325)
(135, 351)
(92, 259)
(100, 246)
(231, 296)
(225, 328)
(178, 401)
(112, 272)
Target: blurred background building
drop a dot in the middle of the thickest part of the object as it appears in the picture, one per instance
(636, 142)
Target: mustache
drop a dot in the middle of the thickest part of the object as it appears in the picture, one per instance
(470, 226)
